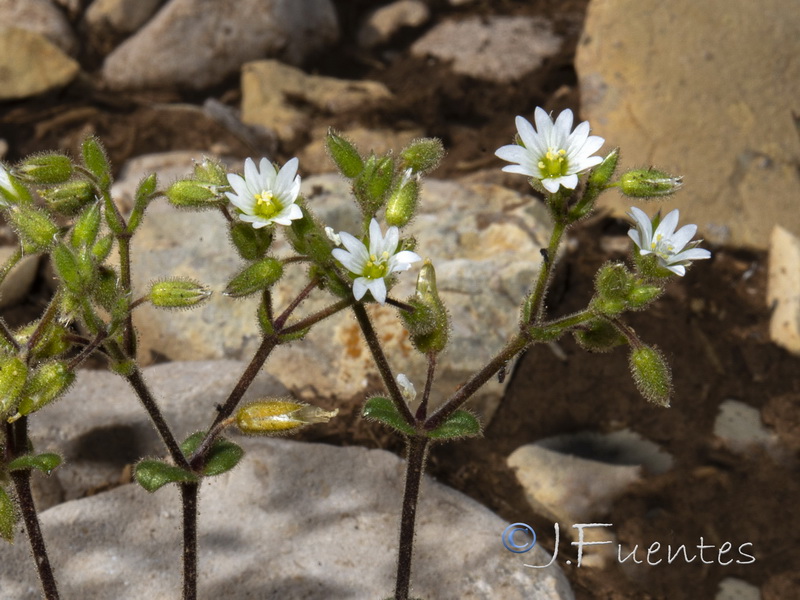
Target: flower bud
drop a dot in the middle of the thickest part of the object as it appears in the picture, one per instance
(188, 193)
(96, 161)
(46, 168)
(596, 182)
(428, 324)
(344, 155)
(35, 228)
(642, 295)
(66, 265)
(373, 183)
(51, 343)
(649, 183)
(177, 293)
(102, 248)
(144, 195)
(13, 375)
(46, 384)
(12, 192)
(280, 415)
(256, 277)
(422, 155)
(652, 375)
(86, 227)
(211, 171)
(69, 198)
(251, 243)
(599, 336)
(613, 281)
(402, 203)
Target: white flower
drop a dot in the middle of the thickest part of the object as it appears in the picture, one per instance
(265, 196)
(6, 187)
(407, 388)
(375, 265)
(550, 153)
(333, 236)
(666, 243)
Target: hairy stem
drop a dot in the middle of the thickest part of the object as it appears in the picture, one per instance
(415, 467)
(537, 298)
(189, 496)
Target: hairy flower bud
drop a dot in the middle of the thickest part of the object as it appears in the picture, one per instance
(373, 183)
(251, 243)
(403, 202)
(423, 155)
(35, 228)
(258, 276)
(211, 171)
(177, 293)
(69, 198)
(96, 161)
(86, 227)
(652, 375)
(279, 415)
(13, 375)
(46, 384)
(649, 183)
(428, 324)
(188, 193)
(344, 155)
(46, 168)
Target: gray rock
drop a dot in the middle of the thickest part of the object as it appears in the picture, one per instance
(731, 588)
(499, 48)
(273, 95)
(382, 23)
(783, 289)
(42, 17)
(739, 427)
(100, 427)
(483, 240)
(18, 282)
(291, 521)
(196, 44)
(31, 65)
(122, 16)
(655, 77)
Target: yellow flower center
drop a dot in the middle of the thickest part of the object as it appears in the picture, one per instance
(267, 205)
(661, 249)
(554, 163)
(377, 268)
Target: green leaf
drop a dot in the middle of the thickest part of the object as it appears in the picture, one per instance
(44, 462)
(223, 455)
(460, 424)
(8, 517)
(383, 410)
(153, 474)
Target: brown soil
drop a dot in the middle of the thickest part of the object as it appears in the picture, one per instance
(712, 324)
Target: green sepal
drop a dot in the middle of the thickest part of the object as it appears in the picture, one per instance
(223, 455)
(599, 336)
(256, 277)
(107, 290)
(96, 161)
(180, 292)
(46, 169)
(52, 342)
(13, 375)
(86, 227)
(649, 267)
(250, 242)
(264, 321)
(596, 183)
(429, 323)
(402, 204)
(46, 462)
(144, 195)
(45, 385)
(8, 517)
(614, 281)
(66, 265)
(642, 295)
(154, 474)
(649, 183)
(293, 337)
(34, 226)
(373, 184)
(460, 424)
(102, 248)
(344, 155)
(188, 193)
(384, 411)
(423, 155)
(211, 171)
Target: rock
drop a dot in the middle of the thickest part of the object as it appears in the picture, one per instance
(18, 282)
(739, 427)
(42, 17)
(689, 108)
(500, 49)
(273, 95)
(260, 139)
(122, 16)
(31, 65)
(195, 44)
(315, 159)
(382, 23)
(783, 289)
(731, 588)
(258, 524)
(100, 427)
(484, 242)
(570, 490)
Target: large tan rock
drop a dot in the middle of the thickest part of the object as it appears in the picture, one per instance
(706, 90)
(272, 95)
(783, 289)
(42, 17)
(31, 65)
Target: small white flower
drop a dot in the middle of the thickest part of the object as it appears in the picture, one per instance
(407, 388)
(6, 186)
(551, 153)
(333, 236)
(373, 266)
(265, 196)
(666, 243)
